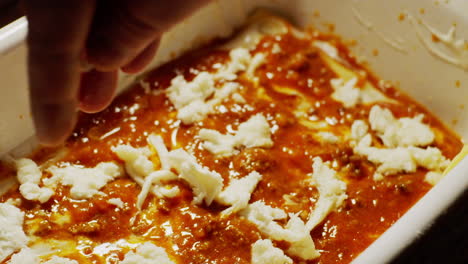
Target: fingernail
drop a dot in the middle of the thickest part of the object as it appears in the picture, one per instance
(97, 90)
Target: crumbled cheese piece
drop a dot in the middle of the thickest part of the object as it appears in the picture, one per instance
(240, 60)
(257, 61)
(142, 170)
(15, 202)
(238, 193)
(345, 92)
(29, 176)
(332, 192)
(25, 256)
(263, 252)
(276, 48)
(137, 164)
(400, 159)
(12, 236)
(328, 137)
(147, 253)
(33, 192)
(401, 132)
(154, 181)
(264, 216)
(358, 130)
(433, 177)
(117, 202)
(84, 182)
(182, 93)
(238, 98)
(255, 132)
(295, 232)
(60, 260)
(205, 184)
(303, 247)
(327, 48)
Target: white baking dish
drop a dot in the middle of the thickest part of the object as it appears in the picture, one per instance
(404, 56)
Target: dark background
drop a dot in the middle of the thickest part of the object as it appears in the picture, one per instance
(445, 243)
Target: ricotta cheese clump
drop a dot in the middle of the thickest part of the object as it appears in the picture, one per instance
(29, 176)
(84, 182)
(255, 132)
(263, 252)
(12, 236)
(147, 253)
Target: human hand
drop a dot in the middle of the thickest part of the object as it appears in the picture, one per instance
(108, 34)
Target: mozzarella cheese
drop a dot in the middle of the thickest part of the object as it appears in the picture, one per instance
(142, 170)
(345, 92)
(401, 132)
(117, 202)
(397, 159)
(255, 132)
(181, 93)
(263, 252)
(137, 163)
(25, 256)
(206, 184)
(433, 177)
(332, 192)
(295, 232)
(84, 182)
(190, 98)
(29, 176)
(238, 193)
(147, 253)
(328, 137)
(12, 236)
(60, 260)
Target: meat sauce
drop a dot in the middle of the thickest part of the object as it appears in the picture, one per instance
(198, 234)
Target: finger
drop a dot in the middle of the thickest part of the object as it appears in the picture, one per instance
(143, 59)
(124, 28)
(57, 33)
(97, 90)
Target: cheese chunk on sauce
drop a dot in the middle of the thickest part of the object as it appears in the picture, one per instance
(255, 132)
(12, 236)
(263, 252)
(147, 253)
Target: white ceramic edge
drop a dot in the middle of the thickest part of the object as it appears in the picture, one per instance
(13, 34)
(418, 219)
(399, 236)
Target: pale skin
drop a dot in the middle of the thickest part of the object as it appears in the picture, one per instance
(66, 37)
